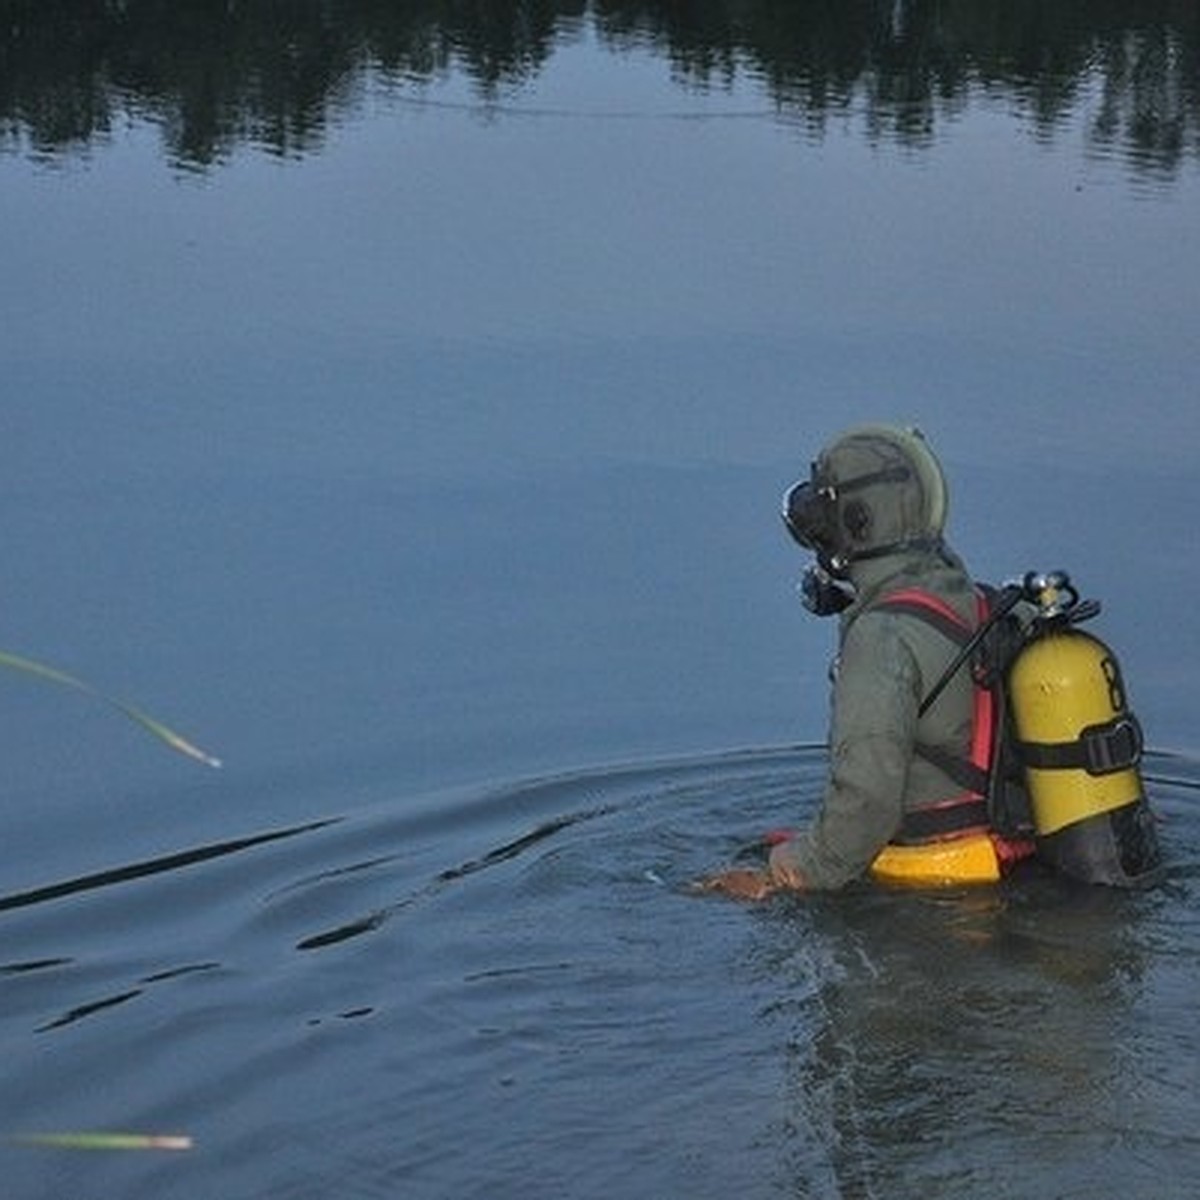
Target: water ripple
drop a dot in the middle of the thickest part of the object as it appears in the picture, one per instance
(536, 976)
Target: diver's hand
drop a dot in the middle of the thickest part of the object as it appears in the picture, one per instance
(781, 867)
(747, 883)
(740, 883)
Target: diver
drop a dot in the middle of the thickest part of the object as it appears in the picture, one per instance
(932, 779)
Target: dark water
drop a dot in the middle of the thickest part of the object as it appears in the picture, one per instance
(397, 399)
(506, 990)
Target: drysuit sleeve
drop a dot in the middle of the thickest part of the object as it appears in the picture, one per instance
(873, 724)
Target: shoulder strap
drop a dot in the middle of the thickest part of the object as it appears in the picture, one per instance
(931, 609)
(971, 773)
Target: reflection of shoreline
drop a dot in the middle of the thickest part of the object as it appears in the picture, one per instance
(231, 76)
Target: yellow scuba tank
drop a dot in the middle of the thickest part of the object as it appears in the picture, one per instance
(1079, 744)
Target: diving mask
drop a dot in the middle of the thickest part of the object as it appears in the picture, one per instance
(810, 514)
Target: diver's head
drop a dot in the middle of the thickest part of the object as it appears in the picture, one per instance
(872, 492)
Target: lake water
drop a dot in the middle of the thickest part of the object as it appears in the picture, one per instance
(399, 405)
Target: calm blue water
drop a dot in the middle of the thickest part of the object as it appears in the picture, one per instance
(428, 474)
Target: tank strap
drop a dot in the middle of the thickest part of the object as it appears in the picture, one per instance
(1099, 750)
(967, 812)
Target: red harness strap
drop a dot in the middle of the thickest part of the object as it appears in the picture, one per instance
(965, 812)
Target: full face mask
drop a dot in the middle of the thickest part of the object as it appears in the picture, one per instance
(874, 491)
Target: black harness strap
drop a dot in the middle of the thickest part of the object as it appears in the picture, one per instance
(944, 820)
(965, 773)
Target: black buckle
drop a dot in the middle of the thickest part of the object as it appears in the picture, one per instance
(1116, 746)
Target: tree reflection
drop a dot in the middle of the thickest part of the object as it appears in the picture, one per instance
(217, 74)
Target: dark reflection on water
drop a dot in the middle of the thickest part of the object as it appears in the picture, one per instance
(154, 866)
(532, 1003)
(951, 1040)
(215, 74)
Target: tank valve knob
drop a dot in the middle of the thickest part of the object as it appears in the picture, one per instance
(1056, 598)
(1051, 591)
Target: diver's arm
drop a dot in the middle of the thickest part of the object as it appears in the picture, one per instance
(872, 733)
